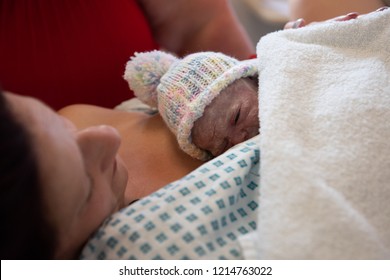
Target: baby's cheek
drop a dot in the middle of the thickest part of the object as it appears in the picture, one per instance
(252, 124)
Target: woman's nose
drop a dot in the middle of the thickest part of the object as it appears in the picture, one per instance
(99, 145)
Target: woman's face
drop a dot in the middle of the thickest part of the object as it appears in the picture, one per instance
(231, 118)
(82, 176)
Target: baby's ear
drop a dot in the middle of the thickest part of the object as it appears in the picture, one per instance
(144, 71)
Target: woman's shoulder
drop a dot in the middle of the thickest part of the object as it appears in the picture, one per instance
(76, 109)
(84, 115)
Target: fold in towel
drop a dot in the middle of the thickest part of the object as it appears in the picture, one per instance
(325, 141)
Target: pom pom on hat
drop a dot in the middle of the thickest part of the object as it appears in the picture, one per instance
(144, 71)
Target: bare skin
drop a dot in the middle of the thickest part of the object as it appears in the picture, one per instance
(320, 10)
(187, 26)
(149, 166)
(301, 22)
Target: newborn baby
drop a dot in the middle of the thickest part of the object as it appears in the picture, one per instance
(207, 99)
(231, 118)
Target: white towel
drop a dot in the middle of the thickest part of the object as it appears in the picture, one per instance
(325, 141)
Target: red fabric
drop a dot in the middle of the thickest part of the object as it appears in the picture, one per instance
(70, 51)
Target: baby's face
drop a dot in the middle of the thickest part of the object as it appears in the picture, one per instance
(231, 118)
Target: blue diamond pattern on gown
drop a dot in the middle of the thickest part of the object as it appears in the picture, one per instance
(199, 216)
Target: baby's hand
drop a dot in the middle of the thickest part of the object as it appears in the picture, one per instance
(301, 22)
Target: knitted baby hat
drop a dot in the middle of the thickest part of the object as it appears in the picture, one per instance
(182, 88)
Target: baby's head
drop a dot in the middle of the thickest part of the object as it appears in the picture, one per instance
(207, 99)
(231, 118)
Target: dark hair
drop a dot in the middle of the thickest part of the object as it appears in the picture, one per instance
(25, 231)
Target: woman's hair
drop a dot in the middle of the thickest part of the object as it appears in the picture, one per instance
(25, 232)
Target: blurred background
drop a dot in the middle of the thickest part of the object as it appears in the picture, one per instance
(260, 17)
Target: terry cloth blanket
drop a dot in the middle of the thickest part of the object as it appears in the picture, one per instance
(325, 141)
